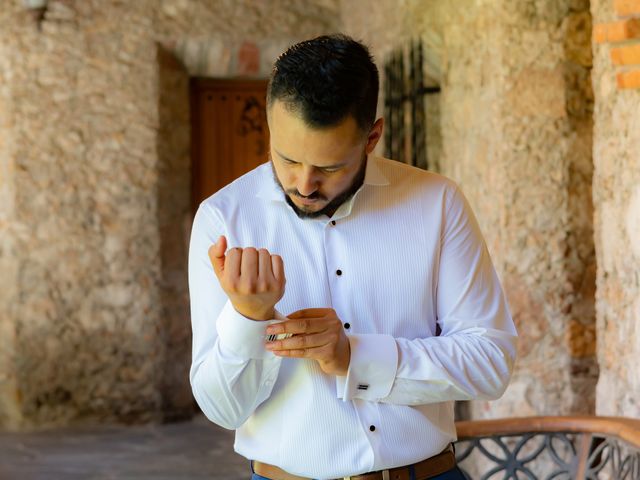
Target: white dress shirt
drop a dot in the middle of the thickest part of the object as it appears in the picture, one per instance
(404, 253)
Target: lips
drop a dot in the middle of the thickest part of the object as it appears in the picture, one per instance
(306, 201)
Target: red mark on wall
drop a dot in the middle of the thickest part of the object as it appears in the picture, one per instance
(248, 59)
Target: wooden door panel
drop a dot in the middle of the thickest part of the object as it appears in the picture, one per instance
(229, 132)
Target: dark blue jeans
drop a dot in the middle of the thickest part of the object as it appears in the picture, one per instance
(453, 474)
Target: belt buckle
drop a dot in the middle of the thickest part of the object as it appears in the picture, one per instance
(385, 476)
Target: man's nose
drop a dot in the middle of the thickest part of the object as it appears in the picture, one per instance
(307, 182)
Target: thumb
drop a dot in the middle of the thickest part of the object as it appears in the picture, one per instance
(216, 255)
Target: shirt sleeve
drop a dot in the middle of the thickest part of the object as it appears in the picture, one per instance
(231, 371)
(474, 355)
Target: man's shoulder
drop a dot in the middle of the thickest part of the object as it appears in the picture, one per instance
(400, 173)
(243, 189)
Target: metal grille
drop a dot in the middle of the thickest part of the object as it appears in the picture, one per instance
(404, 106)
(549, 456)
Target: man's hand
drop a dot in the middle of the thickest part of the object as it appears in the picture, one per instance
(252, 279)
(317, 334)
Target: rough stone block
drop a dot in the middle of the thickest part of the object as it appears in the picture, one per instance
(581, 339)
(633, 213)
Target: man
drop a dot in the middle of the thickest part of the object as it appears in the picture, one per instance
(377, 255)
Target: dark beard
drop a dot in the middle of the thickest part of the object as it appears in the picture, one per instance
(330, 208)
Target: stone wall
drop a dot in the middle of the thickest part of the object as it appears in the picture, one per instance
(94, 198)
(84, 228)
(538, 164)
(8, 255)
(616, 194)
(174, 222)
(94, 165)
(547, 233)
(515, 117)
(219, 39)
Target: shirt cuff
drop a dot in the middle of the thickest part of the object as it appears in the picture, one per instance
(243, 337)
(372, 368)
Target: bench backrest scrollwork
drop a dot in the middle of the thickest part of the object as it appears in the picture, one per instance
(550, 448)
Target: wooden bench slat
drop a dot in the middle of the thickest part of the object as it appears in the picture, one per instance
(626, 429)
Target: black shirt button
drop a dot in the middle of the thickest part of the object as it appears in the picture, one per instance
(338, 272)
(372, 428)
(347, 325)
(333, 222)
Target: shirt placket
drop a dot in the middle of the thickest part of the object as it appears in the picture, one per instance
(338, 271)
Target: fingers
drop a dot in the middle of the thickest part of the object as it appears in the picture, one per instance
(265, 270)
(232, 264)
(277, 267)
(247, 277)
(316, 353)
(299, 326)
(295, 345)
(249, 266)
(318, 338)
(247, 262)
(255, 267)
(216, 255)
(312, 313)
(301, 322)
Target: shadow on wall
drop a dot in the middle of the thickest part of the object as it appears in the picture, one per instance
(174, 220)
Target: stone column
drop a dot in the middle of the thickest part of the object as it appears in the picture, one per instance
(616, 193)
(535, 184)
(9, 394)
(516, 128)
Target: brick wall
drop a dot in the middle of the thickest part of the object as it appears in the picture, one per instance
(623, 36)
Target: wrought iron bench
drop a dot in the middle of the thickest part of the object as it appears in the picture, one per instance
(550, 448)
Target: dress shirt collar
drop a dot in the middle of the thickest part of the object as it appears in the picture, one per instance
(271, 191)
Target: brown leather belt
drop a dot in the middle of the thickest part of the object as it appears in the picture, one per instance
(436, 465)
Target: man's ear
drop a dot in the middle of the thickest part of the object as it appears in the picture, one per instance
(375, 134)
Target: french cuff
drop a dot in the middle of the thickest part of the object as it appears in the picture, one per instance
(372, 368)
(243, 337)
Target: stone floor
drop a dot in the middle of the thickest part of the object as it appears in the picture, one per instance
(195, 450)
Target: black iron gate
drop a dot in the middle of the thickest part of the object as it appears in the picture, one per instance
(404, 107)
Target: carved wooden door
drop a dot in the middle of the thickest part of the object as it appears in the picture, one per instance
(229, 132)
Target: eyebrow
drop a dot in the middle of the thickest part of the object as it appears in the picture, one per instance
(338, 165)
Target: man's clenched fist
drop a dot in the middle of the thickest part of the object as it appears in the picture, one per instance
(253, 279)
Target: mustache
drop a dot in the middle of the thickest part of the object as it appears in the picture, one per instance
(313, 196)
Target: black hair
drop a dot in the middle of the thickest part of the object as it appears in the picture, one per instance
(325, 79)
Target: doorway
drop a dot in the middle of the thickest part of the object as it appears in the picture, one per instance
(230, 136)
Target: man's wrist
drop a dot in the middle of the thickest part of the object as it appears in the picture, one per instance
(257, 315)
(240, 336)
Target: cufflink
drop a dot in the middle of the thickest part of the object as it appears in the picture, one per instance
(279, 318)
